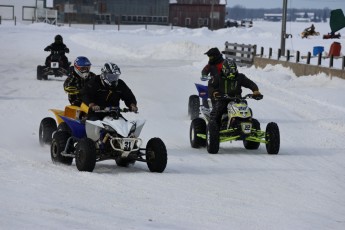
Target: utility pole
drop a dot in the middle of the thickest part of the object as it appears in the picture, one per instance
(212, 9)
(283, 34)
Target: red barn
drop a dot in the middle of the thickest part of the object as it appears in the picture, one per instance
(198, 13)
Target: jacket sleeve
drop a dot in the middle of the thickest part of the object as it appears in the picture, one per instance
(88, 92)
(127, 95)
(213, 83)
(70, 86)
(205, 70)
(247, 83)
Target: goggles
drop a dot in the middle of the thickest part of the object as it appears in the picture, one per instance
(83, 69)
(111, 78)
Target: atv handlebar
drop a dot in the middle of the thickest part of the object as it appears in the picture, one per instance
(248, 96)
(113, 109)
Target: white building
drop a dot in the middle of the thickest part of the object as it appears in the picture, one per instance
(27, 10)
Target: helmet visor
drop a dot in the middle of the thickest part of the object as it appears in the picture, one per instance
(83, 69)
(111, 79)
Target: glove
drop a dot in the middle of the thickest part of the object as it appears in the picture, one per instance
(94, 107)
(256, 93)
(47, 49)
(204, 77)
(133, 108)
(67, 50)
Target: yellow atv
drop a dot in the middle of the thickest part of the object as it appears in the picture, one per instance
(48, 125)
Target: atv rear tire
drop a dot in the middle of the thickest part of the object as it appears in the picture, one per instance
(212, 137)
(45, 132)
(193, 106)
(198, 126)
(253, 144)
(58, 145)
(156, 155)
(39, 72)
(64, 127)
(272, 138)
(85, 157)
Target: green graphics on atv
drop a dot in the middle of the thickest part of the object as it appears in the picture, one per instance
(237, 124)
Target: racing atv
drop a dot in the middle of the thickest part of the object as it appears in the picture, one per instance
(194, 101)
(48, 125)
(112, 138)
(55, 66)
(237, 124)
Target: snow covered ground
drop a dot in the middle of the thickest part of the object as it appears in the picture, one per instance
(302, 187)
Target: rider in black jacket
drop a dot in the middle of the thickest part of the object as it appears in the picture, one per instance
(58, 45)
(106, 90)
(228, 82)
(77, 79)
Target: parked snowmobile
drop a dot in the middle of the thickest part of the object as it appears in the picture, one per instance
(237, 124)
(113, 137)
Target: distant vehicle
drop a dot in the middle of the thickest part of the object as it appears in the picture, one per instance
(231, 23)
(247, 23)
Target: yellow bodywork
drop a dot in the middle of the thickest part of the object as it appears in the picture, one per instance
(71, 111)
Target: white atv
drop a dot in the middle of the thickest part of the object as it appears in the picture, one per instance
(113, 137)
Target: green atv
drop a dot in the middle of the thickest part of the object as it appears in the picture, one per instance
(237, 124)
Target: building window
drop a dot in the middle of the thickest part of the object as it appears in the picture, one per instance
(187, 22)
(205, 21)
(175, 21)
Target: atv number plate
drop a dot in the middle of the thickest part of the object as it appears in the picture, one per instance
(246, 127)
(54, 65)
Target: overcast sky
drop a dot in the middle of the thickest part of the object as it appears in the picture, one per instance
(314, 4)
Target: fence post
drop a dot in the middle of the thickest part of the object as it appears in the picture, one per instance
(262, 51)
(279, 53)
(297, 56)
(319, 58)
(270, 53)
(288, 55)
(343, 66)
(331, 61)
(308, 58)
(0, 20)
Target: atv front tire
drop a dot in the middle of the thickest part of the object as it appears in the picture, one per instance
(272, 138)
(58, 145)
(156, 155)
(198, 126)
(85, 157)
(193, 106)
(45, 132)
(212, 137)
(253, 144)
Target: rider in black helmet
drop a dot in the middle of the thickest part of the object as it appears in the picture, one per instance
(58, 45)
(228, 82)
(106, 90)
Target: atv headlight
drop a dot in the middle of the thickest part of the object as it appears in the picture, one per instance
(133, 128)
(108, 128)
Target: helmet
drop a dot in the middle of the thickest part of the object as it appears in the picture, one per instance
(229, 69)
(110, 74)
(214, 55)
(82, 66)
(58, 38)
(213, 52)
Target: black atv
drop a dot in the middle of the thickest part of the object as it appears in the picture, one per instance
(54, 66)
